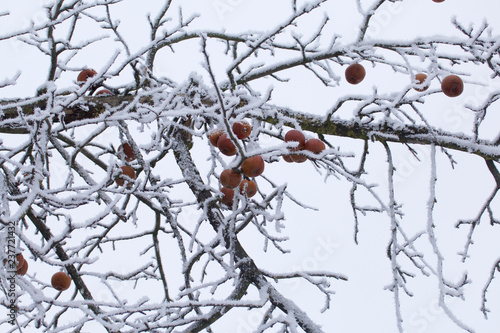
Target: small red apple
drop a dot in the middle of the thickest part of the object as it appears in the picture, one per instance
(242, 129)
(248, 187)
(355, 73)
(127, 175)
(84, 75)
(420, 78)
(315, 145)
(104, 92)
(253, 166)
(230, 178)
(452, 86)
(226, 146)
(19, 261)
(296, 136)
(214, 136)
(126, 152)
(299, 158)
(61, 281)
(438, 0)
(288, 158)
(23, 269)
(228, 196)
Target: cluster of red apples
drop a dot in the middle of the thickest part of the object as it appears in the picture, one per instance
(452, 85)
(60, 280)
(251, 167)
(314, 146)
(240, 178)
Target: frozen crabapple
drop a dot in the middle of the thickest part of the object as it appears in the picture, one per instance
(84, 75)
(215, 135)
(242, 129)
(355, 73)
(248, 187)
(127, 174)
(60, 281)
(452, 86)
(104, 92)
(296, 136)
(299, 158)
(23, 269)
(19, 262)
(228, 196)
(253, 166)
(420, 78)
(126, 152)
(315, 146)
(230, 178)
(226, 146)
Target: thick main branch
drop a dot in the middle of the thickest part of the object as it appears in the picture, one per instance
(95, 107)
(249, 270)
